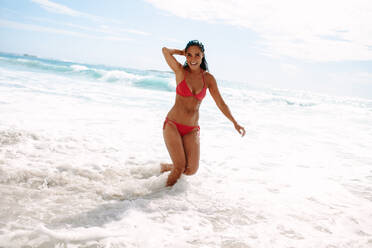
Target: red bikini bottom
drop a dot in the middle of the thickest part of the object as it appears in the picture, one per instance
(182, 129)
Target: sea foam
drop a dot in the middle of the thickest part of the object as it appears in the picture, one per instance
(81, 147)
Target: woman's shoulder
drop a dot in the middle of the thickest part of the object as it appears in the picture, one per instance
(208, 74)
(208, 77)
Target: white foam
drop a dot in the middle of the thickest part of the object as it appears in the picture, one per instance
(79, 67)
(115, 75)
(79, 234)
(79, 167)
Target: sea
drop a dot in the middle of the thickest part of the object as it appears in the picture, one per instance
(81, 144)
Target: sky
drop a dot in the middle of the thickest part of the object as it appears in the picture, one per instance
(322, 46)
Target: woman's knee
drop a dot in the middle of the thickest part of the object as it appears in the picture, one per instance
(175, 174)
(179, 167)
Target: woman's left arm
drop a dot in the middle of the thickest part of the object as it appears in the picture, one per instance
(215, 93)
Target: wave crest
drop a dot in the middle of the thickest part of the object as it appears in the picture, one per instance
(155, 80)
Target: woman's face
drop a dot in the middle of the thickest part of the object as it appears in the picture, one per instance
(194, 57)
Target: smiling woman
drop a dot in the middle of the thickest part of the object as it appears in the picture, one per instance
(193, 45)
(181, 129)
(77, 172)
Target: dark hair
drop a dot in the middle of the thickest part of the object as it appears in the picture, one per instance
(204, 64)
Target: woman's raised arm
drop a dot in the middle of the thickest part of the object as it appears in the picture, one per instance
(171, 61)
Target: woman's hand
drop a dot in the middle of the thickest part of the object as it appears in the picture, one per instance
(240, 129)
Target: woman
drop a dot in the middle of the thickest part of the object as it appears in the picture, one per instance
(181, 130)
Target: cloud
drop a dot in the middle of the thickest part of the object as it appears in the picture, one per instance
(96, 28)
(61, 9)
(38, 28)
(57, 8)
(64, 10)
(317, 30)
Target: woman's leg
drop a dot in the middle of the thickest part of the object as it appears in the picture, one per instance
(191, 144)
(173, 141)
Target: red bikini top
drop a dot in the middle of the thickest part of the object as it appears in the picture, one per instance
(183, 90)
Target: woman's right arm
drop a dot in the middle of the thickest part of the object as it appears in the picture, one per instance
(171, 61)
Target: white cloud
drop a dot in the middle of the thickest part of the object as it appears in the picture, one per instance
(317, 30)
(64, 10)
(96, 29)
(61, 9)
(38, 28)
(57, 8)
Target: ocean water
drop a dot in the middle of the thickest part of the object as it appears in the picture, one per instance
(80, 147)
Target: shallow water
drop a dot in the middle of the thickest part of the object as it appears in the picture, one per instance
(80, 147)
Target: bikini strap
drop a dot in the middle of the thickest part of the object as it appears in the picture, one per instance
(184, 78)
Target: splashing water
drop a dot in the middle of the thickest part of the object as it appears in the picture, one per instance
(80, 148)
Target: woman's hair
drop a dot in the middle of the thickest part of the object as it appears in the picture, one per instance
(204, 64)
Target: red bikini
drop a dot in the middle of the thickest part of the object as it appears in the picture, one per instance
(182, 129)
(183, 90)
